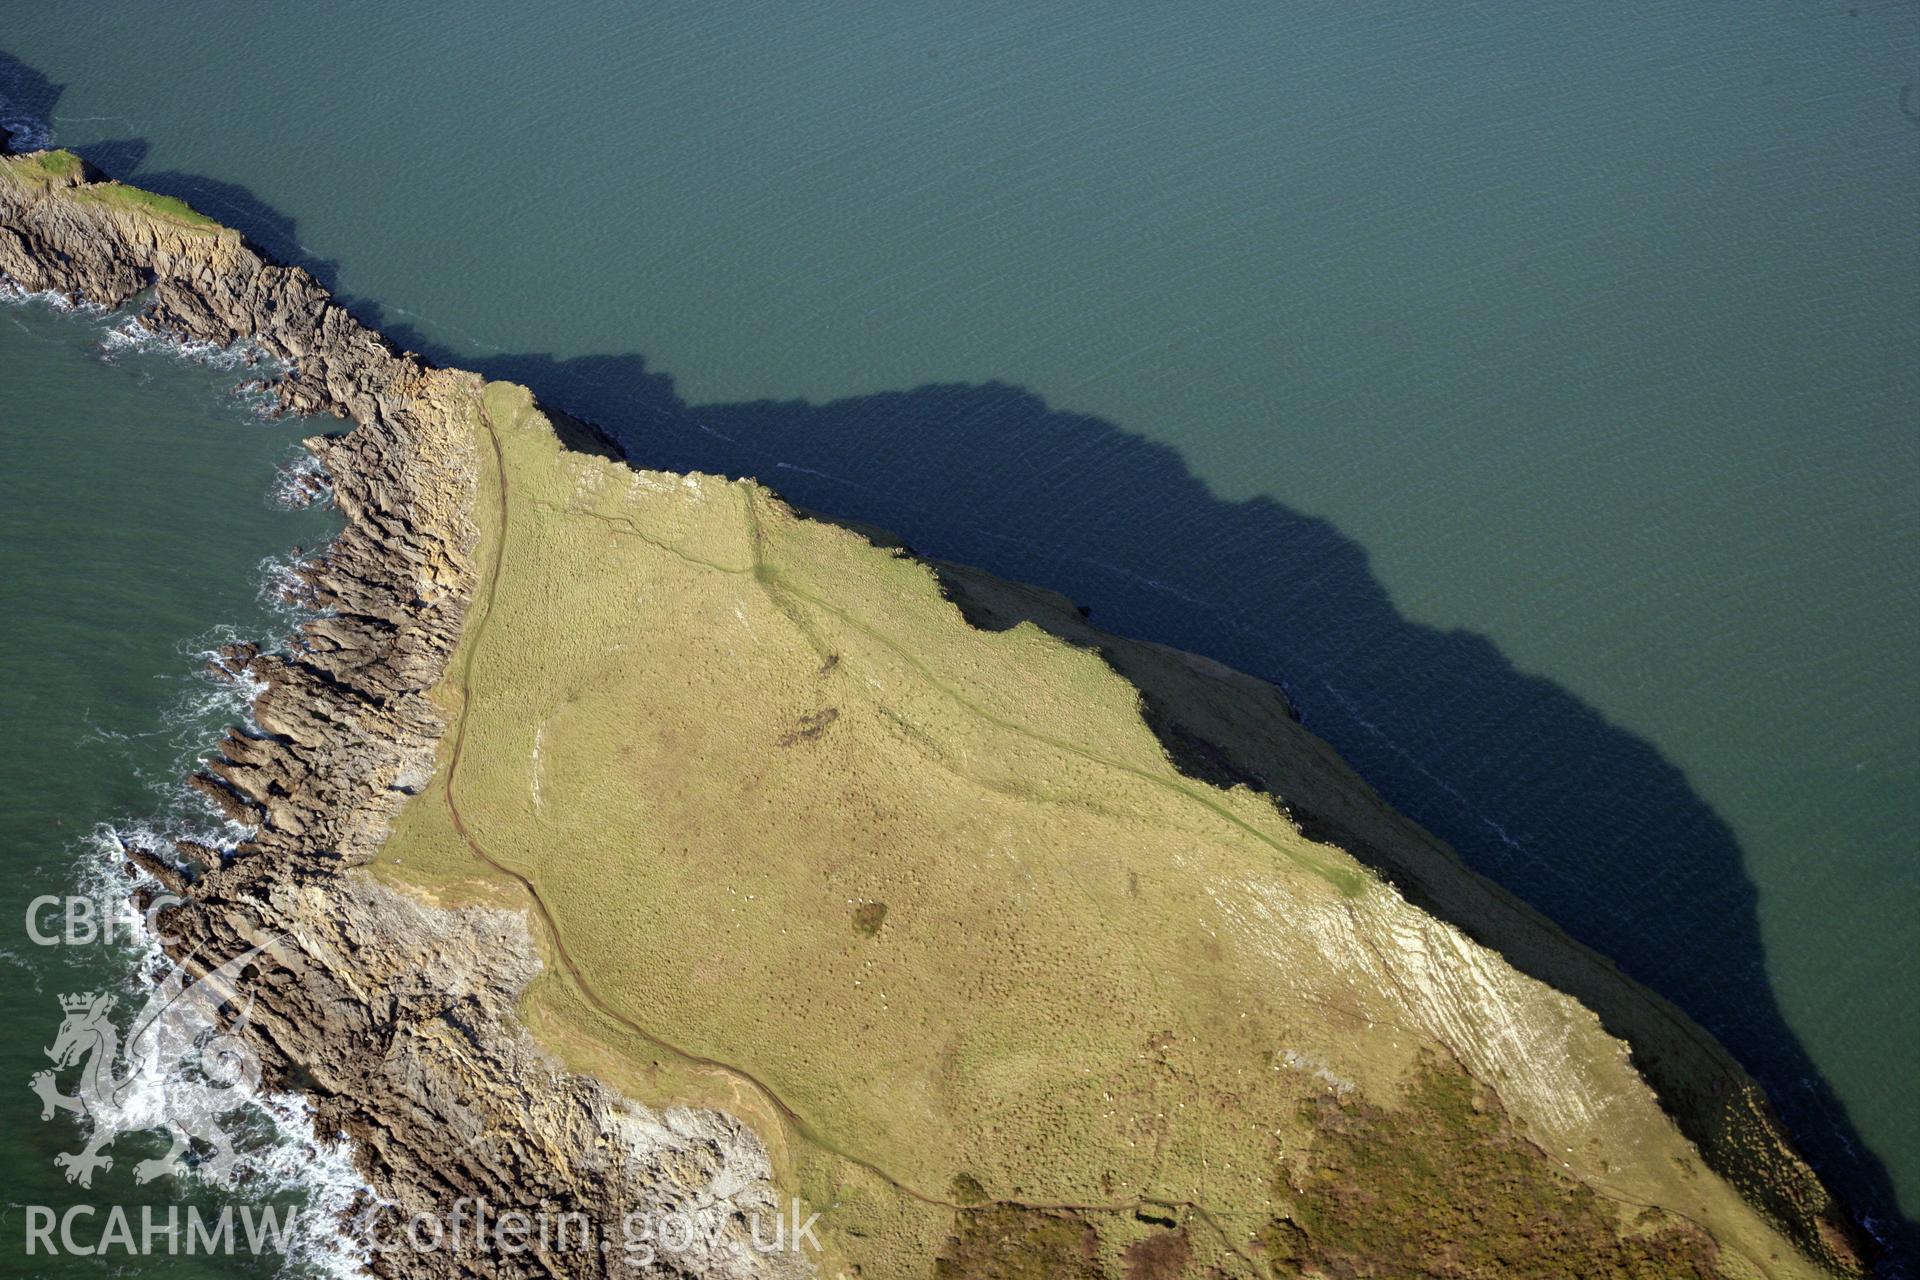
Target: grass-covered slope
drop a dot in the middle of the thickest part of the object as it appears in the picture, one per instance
(66, 168)
(1004, 985)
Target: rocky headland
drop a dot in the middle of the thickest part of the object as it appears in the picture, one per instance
(397, 1017)
(393, 1017)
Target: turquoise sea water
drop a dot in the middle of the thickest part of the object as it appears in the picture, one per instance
(136, 530)
(1533, 389)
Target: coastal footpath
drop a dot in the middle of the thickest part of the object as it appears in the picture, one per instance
(1421, 1057)
(393, 1017)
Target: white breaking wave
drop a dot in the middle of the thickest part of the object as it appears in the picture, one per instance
(320, 1170)
(284, 591)
(122, 334)
(292, 1157)
(25, 133)
(302, 482)
(13, 293)
(131, 334)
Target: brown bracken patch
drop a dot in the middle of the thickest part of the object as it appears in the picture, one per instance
(1162, 1256)
(966, 1189)
(1003, 1242)
(1443, 1186)
(810, 727)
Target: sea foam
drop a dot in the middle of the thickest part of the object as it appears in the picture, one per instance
(292, 1158)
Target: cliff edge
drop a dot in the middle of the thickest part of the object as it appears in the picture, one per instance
(1087, 958)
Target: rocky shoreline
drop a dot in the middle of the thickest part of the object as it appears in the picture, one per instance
(397, 1018)
(394, 1018)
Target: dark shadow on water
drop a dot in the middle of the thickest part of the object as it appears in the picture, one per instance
(269, 230)
(1580, 817)
(1583, 819)
(27, 102)
(27, 99)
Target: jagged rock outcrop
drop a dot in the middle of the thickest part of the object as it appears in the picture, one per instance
(395, 1018)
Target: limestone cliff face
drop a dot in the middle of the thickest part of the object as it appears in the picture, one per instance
(397, 1017)
(394, 1017)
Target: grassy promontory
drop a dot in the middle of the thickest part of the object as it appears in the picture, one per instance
(68, 169)
(1027, 950)
(1005, 976)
